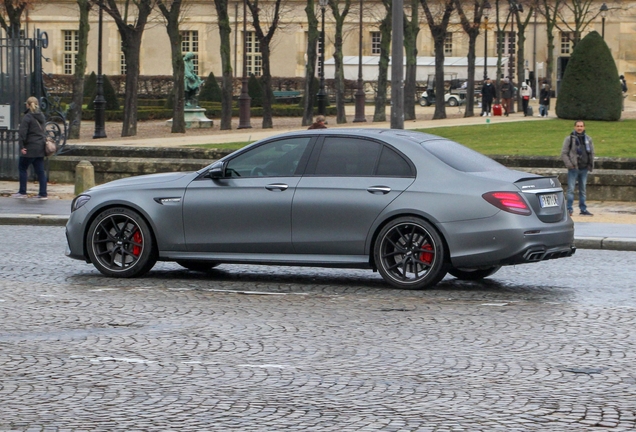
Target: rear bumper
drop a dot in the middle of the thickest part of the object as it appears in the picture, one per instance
(507, 239)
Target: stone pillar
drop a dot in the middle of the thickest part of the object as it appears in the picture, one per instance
(84, 176)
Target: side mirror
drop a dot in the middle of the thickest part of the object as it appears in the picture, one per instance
(216, 171)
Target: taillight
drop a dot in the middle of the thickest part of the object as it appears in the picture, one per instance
(511, 202)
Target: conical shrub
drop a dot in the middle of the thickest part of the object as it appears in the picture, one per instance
(210, 91)
(112, 103)
(255, 91)
(590, 89)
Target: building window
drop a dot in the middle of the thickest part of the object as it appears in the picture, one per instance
(122, 61)
(566, 43)
(318, 54)
(253, 54)
(506, 43)
(190, 43)
(448, 44)
(376, 38)
(71, 47)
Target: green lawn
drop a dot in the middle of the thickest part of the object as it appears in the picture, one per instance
(532, 138)
(542, 137)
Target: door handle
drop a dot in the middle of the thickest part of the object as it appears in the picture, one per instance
(276, 187)
(379, 190)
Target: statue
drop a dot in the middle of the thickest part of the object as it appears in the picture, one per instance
(192, 82)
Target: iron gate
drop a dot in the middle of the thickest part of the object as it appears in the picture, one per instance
(20, 77)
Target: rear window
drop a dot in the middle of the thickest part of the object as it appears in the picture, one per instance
(460, 157)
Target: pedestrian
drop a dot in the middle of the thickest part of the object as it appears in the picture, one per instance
(32, 140)
(544, 100)
(623, 89)
(506, 95)
(319, 123)
(488, 94)
(526, 92)
(578, 155)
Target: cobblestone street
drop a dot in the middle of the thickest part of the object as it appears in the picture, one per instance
(548, 346)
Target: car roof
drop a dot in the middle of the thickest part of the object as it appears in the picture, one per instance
(378, 133)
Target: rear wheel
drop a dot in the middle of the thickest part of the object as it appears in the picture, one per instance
(473, 274)
(409, 254)
(120, 244)
(200, 266)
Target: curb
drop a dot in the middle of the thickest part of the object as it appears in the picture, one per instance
(602, 243)
(33, 219)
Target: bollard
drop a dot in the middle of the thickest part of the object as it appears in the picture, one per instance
(84, 176)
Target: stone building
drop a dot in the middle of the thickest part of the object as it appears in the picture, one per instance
(59, 19)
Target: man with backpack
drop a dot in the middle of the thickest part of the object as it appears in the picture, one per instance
(578, 155)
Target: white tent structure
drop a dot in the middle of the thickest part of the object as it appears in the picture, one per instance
(425, 67)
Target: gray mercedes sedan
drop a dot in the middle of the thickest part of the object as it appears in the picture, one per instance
(410, 205)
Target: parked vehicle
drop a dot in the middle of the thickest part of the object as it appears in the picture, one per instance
(412, 206)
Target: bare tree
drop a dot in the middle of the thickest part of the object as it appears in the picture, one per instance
(522, 24)
(225, 30)
(438, 14)
(383, 64)
(471, 24)
(550, 11)
(339, 82)
(171, 10)
(411, 29)
(75, 111)
(11, 15)
(131, 17)
(575, 16)
(310, 68)
(265, 38)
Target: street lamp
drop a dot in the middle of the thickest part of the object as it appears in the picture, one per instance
(359, 117)
(244, 98)
(486, 12)
(604, 10)
(100, 102)
(321, 93)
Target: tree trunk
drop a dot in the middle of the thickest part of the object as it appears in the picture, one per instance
(226, 63)
(132, 46)
(75, 111)
(339, 82)
(383, 66)
(178, 66)
(266, 83)
(440, 103)
(411, 29)
(470, 82)
(310, 68)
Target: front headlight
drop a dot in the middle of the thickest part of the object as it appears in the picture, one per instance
(79, 201)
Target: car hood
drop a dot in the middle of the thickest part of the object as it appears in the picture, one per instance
(142, 180)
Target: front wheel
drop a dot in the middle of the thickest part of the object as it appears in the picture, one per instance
(453, 102)
(120, 244)
(473, 274)
(409, 254)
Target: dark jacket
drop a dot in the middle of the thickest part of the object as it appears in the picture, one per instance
(488, 92)
(506, 90)
(317, 125)
(32, 136)
(544, 97)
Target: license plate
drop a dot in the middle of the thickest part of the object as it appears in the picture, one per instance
(548, 200)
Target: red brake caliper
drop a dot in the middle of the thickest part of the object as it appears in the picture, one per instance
(426, 257)
(137, 239)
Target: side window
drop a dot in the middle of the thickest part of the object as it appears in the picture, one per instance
(393, 165)
(273, 159)
(347, 157)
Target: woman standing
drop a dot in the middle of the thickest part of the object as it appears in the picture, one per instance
(32, 142)
(526, 92)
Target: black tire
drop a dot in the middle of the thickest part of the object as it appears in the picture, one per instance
(423, 102)
(200, 266)
(473, 274)
(453, 102)
(410, 254)
(120, 243)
